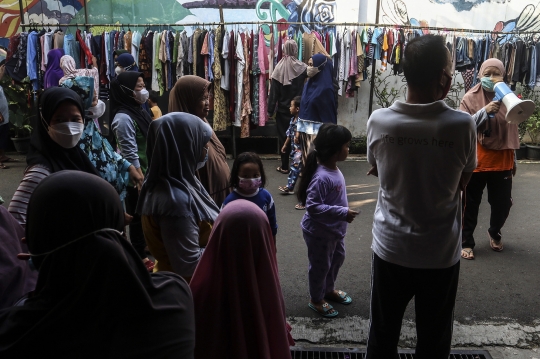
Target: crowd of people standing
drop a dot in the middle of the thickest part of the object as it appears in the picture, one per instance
(214, 289)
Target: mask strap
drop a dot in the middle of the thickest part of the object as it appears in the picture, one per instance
(43, 121)
(132, 90)
(75, 240)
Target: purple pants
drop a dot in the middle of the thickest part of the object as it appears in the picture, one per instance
(326, 256)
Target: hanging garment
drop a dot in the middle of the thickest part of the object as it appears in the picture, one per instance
(342, 61)
(205, 56)
(246, 89)
(240, 65)
(59, 39)
(198, 62)
(225, 55)
(155, 53)
(263, 66)
(31, 59)
(255, 71)
(221, 113)
(232, 79)
(146, 55)
(128, 40)
(136, 46)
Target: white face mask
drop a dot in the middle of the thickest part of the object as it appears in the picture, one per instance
(97, 111)
(118, 70)
(66, 134)
(142, 96)
(312, 71)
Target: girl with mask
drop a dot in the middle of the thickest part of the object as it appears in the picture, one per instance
(177, 212)
(248, 181)
(93, 298)
(191, 94)
(130, 127)
(67, 63)
(497, 140)
(53, 146)
(287, 82)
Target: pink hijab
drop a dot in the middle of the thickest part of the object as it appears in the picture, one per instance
(503, 135)
(289, 67)
(239, 306)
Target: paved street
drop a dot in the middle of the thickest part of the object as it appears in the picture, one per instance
(498, 296)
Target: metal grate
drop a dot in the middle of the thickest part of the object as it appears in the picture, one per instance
(355, 353)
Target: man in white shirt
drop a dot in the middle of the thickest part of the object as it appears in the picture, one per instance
(424, 153)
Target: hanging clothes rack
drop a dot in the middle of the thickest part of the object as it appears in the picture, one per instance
(222, 23)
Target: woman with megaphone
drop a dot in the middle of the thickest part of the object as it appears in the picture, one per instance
(497, 140)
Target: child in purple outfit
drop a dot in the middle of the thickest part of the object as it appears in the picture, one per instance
(323, 192)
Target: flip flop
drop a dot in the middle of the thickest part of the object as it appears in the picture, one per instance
(3, 166)
(469, 254)
(345, 298)
(497, 246)
(300, 207)
(326, 308)
(281, 170)
(285, 190)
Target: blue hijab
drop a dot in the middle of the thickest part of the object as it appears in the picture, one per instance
(318, 98)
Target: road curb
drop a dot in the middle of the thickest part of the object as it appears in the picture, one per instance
(355, 330)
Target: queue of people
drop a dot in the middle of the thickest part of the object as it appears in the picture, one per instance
(214, 290)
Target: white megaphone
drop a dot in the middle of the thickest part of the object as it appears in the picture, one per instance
(517, 110)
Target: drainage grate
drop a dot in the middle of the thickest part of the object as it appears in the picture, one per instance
(355, 353)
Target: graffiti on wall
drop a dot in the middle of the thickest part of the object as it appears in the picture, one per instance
(527, 21)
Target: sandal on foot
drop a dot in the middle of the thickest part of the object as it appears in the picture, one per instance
(281, 170)
(467, 253)
(326, 309)
(497, 246)
(344, 298)
(3, 166)
(300, 207)
(285, 190)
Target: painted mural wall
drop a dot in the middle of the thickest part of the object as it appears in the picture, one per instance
(501, 15)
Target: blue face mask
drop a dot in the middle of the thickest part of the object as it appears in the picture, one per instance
(487, 84)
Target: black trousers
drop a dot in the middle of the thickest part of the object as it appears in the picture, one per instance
(282, 125)
(136, 235)
(499, 188)
(434, 292)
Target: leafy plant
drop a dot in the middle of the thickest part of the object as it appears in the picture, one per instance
(533, 128)
(385, 94)
(453, 99)
(20, 112)
(532, 125)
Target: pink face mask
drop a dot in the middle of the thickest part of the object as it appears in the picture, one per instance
(249, 184)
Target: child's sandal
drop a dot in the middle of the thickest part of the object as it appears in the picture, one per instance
(285, 190)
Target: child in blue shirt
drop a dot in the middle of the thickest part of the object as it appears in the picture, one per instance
(248, 181)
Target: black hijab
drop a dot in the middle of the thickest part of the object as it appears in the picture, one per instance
(43, 150)
(122, 100)
(94, 296)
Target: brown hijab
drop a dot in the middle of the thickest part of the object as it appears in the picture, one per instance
(289, 67)
(503, 134)
(214, 176)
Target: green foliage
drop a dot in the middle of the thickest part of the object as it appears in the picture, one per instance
(385, 94)
(358, 145)
(453, 99)
(19, 111)
(532, 125)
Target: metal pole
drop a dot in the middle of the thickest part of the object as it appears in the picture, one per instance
(21, 11)
(372, 89)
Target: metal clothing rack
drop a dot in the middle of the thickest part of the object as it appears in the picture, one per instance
(88, 25)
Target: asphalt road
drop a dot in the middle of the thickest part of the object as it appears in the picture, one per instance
(495, 287)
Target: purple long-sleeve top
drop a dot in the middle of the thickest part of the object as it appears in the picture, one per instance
(326, 204)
